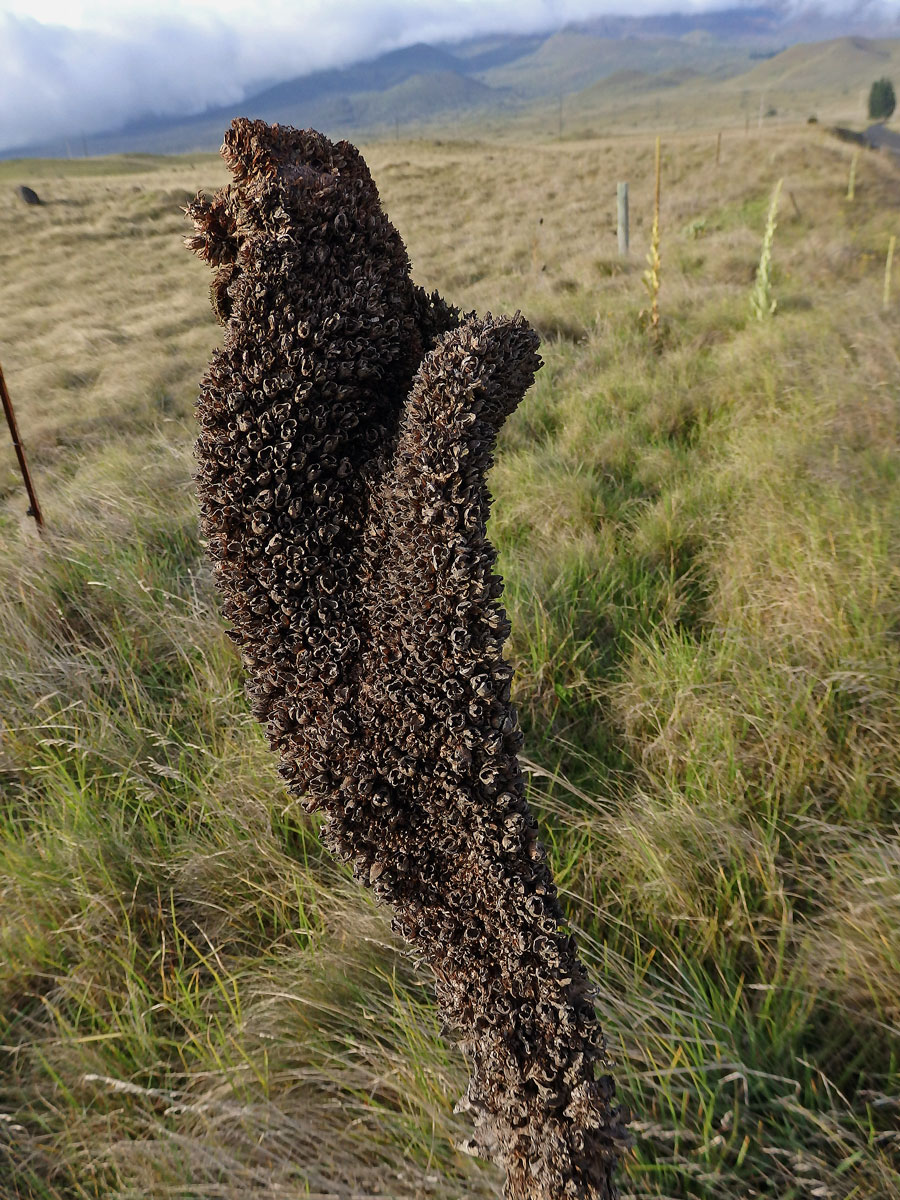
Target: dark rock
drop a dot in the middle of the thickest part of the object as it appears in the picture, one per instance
(28, 195)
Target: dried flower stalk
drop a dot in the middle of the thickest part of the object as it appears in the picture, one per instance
(346, 428)
(651, 275)
(762, 302)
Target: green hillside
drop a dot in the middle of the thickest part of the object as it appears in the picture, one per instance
(829, 80)
(440, 94)
(844, 63)
(437, 95)
(570, 61)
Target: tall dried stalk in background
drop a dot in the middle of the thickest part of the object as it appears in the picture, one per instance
(651, 276)
(762, 302)
(346, 428)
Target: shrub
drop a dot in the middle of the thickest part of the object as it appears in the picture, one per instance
(882, 100)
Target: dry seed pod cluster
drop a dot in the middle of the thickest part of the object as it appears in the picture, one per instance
(346, 428)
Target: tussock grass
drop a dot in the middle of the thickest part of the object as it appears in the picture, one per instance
(700, 543)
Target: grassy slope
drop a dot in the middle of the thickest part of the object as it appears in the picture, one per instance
(843, 63)
(568, 60)
(700, 547)
(830, 80)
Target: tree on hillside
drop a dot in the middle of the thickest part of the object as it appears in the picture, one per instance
(882, 100)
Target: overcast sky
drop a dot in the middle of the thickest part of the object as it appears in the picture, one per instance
(82, 66)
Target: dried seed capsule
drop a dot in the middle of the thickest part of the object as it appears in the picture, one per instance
(346, 429)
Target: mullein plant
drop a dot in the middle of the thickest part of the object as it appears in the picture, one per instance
(762, 302)
(651, 275)
(346, 428)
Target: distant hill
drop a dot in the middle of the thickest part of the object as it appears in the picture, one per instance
(592, 66)
(830, 79)
(379, 75)
(772, 24)
(420, 96)
(414, 85)
(572, 60)
(438, 94)
(635, 82)
(727, 24)
(481, 54)
(847, 62)
(434, 88)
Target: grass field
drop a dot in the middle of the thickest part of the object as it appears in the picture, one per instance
(700, 544)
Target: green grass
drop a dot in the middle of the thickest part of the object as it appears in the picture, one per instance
(700, 546)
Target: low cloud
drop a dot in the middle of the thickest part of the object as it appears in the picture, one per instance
(116, 66)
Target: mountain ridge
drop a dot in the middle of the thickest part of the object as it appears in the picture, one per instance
(498, 76)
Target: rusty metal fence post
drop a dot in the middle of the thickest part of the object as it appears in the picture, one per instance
(35, 509)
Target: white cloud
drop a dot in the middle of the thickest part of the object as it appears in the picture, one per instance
(72, 68)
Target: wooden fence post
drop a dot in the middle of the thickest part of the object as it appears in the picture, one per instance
(622, 218)
(35, 509)
(888, 264)
(851, 179)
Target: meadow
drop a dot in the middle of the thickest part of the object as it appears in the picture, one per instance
(699, 537)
